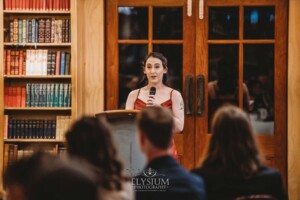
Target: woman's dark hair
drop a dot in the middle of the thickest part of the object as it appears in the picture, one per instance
(233, 148)
(160, 56)
(91, 138)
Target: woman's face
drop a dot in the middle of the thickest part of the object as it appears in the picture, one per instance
(154, 70)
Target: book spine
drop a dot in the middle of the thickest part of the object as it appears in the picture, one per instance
(24, 36)
(53, 63)
(41, 30)
(11, 31)
(20, 31)
(62, 63)
(49, 62)
(29, 31)
(28, 95)
(34, 27)
(68, 60)
(15, 30)
(52, 40)
(8, 61)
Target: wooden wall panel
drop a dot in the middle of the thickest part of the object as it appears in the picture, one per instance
(294, 101)
(90, 70)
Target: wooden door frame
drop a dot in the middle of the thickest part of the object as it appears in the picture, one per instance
(273, 146)
(112, 57)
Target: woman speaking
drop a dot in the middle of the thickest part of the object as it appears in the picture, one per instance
(155, 92)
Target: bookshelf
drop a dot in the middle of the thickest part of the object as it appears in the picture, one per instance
(41, 79)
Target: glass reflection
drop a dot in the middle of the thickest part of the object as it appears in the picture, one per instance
(133, 22)
(130, 68)
(223, 77)
(223, 23)
(259, 22)
(174, 55)
(167, 23)
(259, 76)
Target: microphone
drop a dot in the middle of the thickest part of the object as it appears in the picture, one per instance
(152, 91)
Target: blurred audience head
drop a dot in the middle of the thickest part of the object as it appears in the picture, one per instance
(41, 174)
(156, 125)
(91, 139)
(73, 181)
(233, 146)
(20, 175)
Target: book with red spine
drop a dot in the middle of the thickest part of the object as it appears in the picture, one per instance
(16, 64)
(4, 61)
(50, 5)
(57, 65)
(14, 96)
(12, 62)
(30, 6)
(19, 96)
(13, 4)
(21, 62)
(6, 93)
(24, 63)
(23, 97)
(8, 62)
(17, 2)
(33, 5)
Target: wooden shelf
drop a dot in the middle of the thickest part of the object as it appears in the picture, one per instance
(38, 108)
(37, 12)
(62, 115)
(37, 44)
(37, 77)
(34, 140)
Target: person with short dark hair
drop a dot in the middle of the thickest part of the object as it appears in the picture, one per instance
(234, 166)
(90, 138)
(163, 177)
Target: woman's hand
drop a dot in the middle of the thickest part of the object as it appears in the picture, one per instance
(152, 101)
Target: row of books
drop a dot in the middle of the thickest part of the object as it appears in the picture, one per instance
(13, 152)
(35, 128)
(38, 95)
(40, 30)
(55, 5)
(36, 62)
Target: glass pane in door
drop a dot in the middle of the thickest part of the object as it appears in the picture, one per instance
(173, 53)
(223, 23)
(222, 77)
(259, 77)
(131, 57)
(167, 23)
(133, 22)
(259, 22)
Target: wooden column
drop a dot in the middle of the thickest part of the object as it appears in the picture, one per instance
(294, 101)
(90, 70)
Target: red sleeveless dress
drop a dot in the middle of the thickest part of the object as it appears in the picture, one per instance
(139, 104)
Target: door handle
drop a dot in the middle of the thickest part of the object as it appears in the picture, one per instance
(188, 94)
(201, 9)
(200, 95)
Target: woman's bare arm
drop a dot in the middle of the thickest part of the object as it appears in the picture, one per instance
(131, 99)
(178, 111)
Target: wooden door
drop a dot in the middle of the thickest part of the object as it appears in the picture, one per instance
(196, 37)
(252, 35)
(134, 28)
